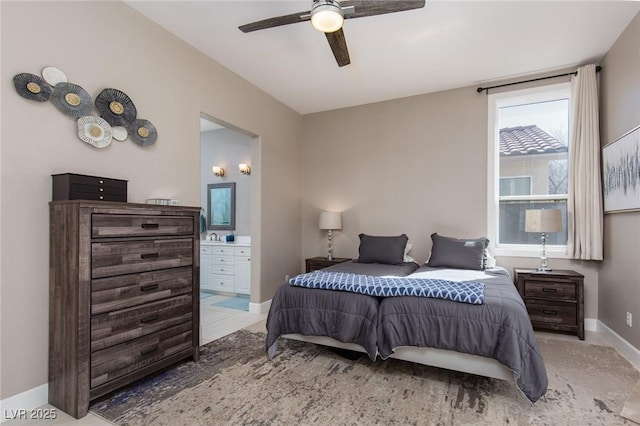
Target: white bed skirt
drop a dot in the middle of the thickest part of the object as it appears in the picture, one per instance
(441, 358)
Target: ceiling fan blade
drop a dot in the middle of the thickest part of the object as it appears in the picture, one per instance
(380, 7)
(339, 47)
(292, 18)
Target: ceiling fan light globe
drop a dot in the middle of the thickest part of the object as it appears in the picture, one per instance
(327, 18)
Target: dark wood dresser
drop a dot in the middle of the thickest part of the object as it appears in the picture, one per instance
(124, 295)
(554, 299)
(315, 263)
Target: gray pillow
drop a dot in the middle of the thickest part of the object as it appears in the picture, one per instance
(448, 252)
(386, 250)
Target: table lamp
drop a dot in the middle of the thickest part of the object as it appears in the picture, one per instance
(330, 221)
(543, 220)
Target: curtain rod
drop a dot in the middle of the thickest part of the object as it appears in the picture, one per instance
(481, 89)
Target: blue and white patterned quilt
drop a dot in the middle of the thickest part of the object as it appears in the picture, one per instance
(467, 292)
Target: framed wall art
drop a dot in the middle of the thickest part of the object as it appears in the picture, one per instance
(621, 173)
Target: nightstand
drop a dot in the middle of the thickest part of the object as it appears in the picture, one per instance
(315, 263)
(554, 299)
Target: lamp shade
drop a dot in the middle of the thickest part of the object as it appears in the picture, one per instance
(543, 220)
(330, 220)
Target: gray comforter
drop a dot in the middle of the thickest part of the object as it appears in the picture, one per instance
(500, 328)
(346, 317)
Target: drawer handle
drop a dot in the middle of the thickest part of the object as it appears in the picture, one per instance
(549, 290)
(547, 312)
(149, 287)
(149, 350)
(149, 255)
(150, 318)
(150, 225)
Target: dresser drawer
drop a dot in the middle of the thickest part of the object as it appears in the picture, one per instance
(223, 269)
(557, 290)
(243, 251)
(223, 283)
(116, 361)
(113, 293)
(114, 225)
(120, 258)
(126, 324)
(222, 260)
(549, 312)
(222, 250)
(83, 192)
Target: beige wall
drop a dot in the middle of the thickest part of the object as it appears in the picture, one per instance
(416, 165)
(619, 275)
(107, 44)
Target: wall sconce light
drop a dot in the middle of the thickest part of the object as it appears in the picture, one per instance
(245, 169)
(218, 171)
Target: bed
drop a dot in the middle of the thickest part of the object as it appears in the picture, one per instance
(493, 339)
(348, 318)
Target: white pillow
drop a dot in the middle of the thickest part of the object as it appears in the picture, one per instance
(408, 258)
(491, 261)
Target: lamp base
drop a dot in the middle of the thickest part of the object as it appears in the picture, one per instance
(330, 247)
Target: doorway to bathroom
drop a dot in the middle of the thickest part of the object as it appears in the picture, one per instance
(225, 244)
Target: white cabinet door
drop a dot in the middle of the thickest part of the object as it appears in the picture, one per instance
(205, 270)
(243, 275)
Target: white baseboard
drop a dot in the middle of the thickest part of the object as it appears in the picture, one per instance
(590, 324)
(260, 308)
(14, 406)
(630, 352)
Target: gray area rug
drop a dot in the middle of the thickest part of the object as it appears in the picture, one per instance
(631, 409)
(235, 383)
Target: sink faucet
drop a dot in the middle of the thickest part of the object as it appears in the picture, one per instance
(214, 236)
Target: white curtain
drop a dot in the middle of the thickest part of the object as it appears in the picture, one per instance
(585, 192)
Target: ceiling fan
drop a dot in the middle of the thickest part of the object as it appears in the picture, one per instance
(327, 16)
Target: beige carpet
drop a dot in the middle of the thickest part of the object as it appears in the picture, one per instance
(631, 409)
(235, 383)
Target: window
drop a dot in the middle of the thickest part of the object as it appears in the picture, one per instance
(520, 185)
(528, 166)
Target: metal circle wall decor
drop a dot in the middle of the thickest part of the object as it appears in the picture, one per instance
(118, 113)
(32, 87)
(72, 99)
(53, 76)
(119, 133)
(116, 107)
(143, 132)
(94, 131)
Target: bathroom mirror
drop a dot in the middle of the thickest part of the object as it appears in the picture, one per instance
(221, 199)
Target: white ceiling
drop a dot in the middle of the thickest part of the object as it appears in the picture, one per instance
(446, 44)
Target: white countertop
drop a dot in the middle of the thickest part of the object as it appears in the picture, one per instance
(240, 241)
